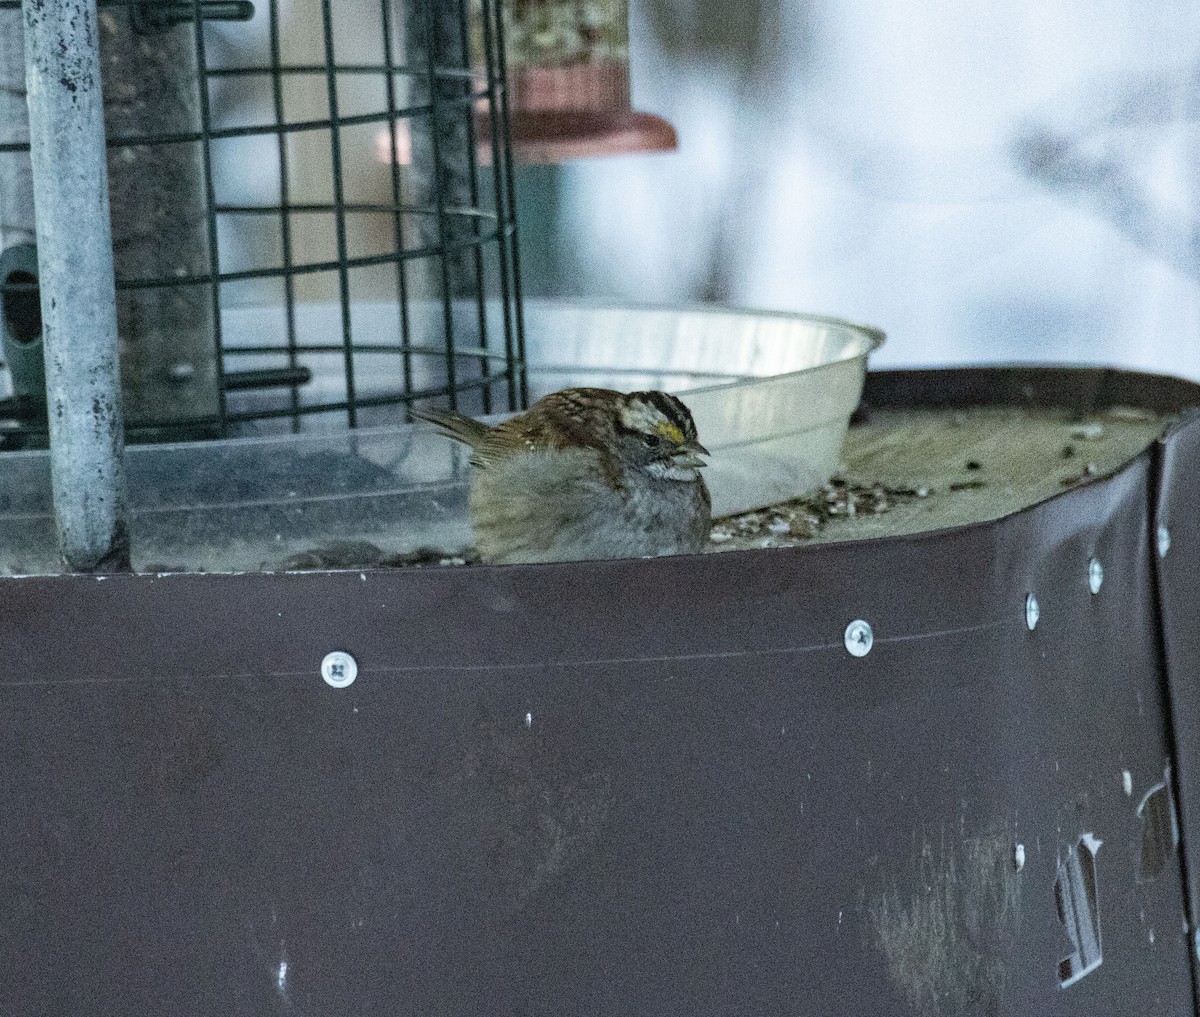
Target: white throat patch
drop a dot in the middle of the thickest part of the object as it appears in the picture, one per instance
(664, 469)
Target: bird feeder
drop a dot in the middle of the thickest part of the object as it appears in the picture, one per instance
(569, 82)
(568, 85)
(922, 740)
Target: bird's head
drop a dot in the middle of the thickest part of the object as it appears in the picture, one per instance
(655, 432)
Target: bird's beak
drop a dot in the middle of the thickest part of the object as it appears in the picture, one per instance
(688, 454)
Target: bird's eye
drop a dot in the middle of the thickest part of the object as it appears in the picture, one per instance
(652, 440)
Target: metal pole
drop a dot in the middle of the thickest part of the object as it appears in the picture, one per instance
(75, 259)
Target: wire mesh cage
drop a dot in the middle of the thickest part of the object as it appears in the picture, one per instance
(244, 187)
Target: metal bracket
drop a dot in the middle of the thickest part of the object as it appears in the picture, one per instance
(151, 16)
(21, 322)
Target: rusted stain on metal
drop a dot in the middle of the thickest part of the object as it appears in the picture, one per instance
(536, 811)
(943, 935)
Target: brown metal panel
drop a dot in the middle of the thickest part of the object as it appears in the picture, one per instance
(191, 809)
(1083, 389)
(1177, 560)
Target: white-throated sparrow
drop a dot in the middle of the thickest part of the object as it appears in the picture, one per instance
(585, 473)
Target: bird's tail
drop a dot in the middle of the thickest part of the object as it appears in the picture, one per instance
(454, 425)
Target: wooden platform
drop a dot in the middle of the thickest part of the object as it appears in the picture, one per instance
(906, 471)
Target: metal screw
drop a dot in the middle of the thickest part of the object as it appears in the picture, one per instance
(1164, 541)
(1032, 612)
(1019, 857)
(859, 638)
(339, 669)
(1127, 783)
(1095, 575)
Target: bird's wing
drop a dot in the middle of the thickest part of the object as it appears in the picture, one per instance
(488, 444)
(520, 434)
(454, 425)
(556, 422)
(553, 423)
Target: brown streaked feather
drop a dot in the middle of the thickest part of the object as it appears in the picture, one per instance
(454, 425)
(560, 420)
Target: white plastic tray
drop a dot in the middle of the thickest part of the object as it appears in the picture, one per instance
(772, 395)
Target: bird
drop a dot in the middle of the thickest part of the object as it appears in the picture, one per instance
(585, 473)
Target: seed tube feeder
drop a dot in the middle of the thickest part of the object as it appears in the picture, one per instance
(119, 197)
(157, 198)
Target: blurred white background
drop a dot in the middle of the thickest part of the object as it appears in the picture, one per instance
(1013, 181)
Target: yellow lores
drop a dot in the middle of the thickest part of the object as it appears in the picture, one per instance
(672, 432)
